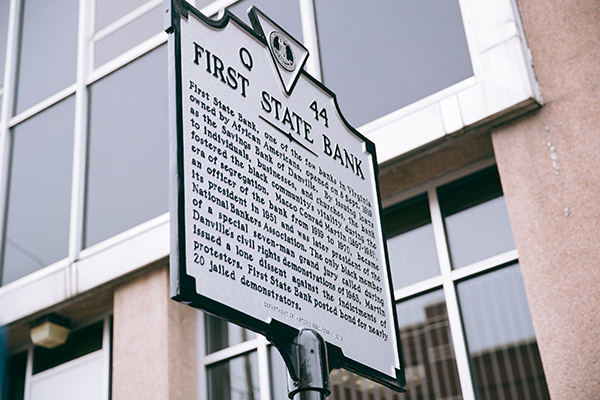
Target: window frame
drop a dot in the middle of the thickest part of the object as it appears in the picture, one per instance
(449, 277)
(260, 345)
(502, 87)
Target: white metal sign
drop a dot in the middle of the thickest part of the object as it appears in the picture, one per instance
(275, 214)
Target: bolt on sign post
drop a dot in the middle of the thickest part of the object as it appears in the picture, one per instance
(275, 209)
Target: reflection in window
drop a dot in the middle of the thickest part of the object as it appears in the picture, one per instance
(429, 360)
(500, 337)
(221, 334)
(37, 231)
(128, 148)
(285, 13)
(236, 379)
(476, 218)
(48, 57)
(345, 385)
(128, 36)
(411, 245)
(402, 51)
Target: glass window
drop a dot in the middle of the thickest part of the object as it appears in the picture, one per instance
(14, 377)
(500, 337)
(221, 334)
(4, 9)
(37, 231)
(411, 245)
(429, 359)
(285, 13)
(73, 371)
(48, 56)
(128, 166)
(236, 379)
(476, 218)
(386, 56)
(345, 385)
(129, 36)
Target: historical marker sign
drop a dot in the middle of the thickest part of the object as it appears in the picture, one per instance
(276, 218)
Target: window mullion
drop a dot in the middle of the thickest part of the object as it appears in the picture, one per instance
(28, 374)
(124, 20)
(460, 348)
(9, 80)
(6, 107)
(80, 132)
(439, 233)
(419, 287)
(264, 380)
(454, 320)
(484, 265)
(91, 31)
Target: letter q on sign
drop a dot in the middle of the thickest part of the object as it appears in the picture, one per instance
(246, 58)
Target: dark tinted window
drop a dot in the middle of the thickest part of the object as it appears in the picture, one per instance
(429, 361)
(504, 355)
(410, 242)
(236, 379)
(221, 334)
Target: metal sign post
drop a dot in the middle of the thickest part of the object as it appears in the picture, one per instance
(276, 220)
(312, 374)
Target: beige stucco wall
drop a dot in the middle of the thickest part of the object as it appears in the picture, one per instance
(549, 165)
(153, 341)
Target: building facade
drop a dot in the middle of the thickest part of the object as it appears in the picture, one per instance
(483, 115)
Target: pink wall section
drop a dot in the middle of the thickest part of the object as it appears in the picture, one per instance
(154, 352)
(550, 171)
